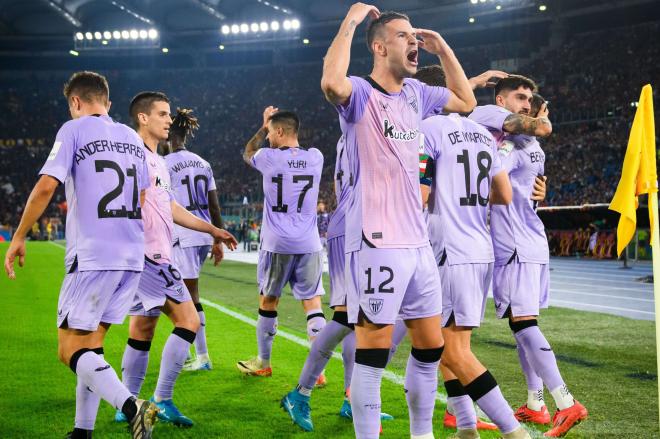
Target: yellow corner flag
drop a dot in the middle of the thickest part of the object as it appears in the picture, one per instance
(639, 175)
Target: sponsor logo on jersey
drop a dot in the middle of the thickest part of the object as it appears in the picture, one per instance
(389, 130)
(53, 152)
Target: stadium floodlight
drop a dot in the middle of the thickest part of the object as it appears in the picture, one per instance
(80, 36)
(107, 35)
(471, 20)
(542, 8)
(286, 25)
(153, 34)
(245, 28)
(73, 52)
(104, 42)
(274, 26)
(116, 35)
(165, 49)
(221, 47)
(134, 34)
(295, 24)
(98, 35)
(89, 35)
(125, 34)
(305, 41)
(254, 27)
(498, 7)
(143, 34)
(263, 26)
(235, 29)
(225, 29)
(474, 2)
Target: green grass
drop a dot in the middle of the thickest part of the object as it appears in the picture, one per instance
(608, 363)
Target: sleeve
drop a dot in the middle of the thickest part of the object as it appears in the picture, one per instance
(490, 116)
(60, 160)
(434, 99)
(209, 172)
(353, 110)
(496, 166)
(260, 160)
(144, 181)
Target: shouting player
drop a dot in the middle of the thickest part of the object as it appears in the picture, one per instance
(390, 269)
(102, 165)
(194, 188)
(161, 288)
(520, 276)
(291, 250)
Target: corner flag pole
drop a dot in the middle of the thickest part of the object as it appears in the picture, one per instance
(655, 236)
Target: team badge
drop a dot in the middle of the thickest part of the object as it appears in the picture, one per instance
(376, 305)
(412, 101)
(505, 148)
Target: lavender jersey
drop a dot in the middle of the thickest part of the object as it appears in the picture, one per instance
(343, 184)
(291, 178)
(381, 132)
(516, 227)
(103, 168)
(492, 117)
(192, 179)
(465, 160)
(157, 212)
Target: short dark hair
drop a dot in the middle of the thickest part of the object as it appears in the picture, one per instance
(377, 25)
(431, 75)
(142, 102)
(287, 120)
(514, 82)
(537, 103)
(89, 86)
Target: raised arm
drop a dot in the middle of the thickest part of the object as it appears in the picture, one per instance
(532, 126)
(257, 140)
(488, 78)
(335, 84)
(462, 98)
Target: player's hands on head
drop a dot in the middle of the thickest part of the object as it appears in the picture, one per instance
(539, 191)
(431, 41)
(16, 248)
(360, 11)
(217, 252)
(487, 79)
(268, 112)
(225, 237)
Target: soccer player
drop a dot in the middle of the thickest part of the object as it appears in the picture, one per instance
(194, 188)
(161, 288)
(390, 269)
(520, 275)
(290, 250)
(102, 165)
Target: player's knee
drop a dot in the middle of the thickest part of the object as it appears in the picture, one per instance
(268, 303)
(519, 325)
(315, 323)
(427, 355)
(453, 357)
(190, 321)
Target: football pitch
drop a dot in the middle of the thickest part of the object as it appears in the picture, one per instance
(608, 362)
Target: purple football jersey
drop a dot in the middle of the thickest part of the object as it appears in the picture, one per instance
(192, 179)
(492, 117)
(381, 132)
(465, 160)
(157, 212)
(343, 184)
(516, 227)
(291, 178)
(102, 165)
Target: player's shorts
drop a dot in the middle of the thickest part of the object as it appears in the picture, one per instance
(464, 293)
(88, 298)
(384, 284)
(189, 260)
(336, 268)
(158, 283)
(522, 287)
(302, 272)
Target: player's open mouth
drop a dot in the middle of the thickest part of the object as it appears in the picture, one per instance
(412, 57)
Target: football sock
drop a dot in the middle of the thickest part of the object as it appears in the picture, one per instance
(266, 330)
(134, 364)
(348, 356)
(87, 404)
(421, 386)
(365, 391)
(535, 399)
(315, 323)
(200, 339)
(540, 356)
(320, 352)
(174, 355)
(460, 405)
(487, 394)
(99, 376)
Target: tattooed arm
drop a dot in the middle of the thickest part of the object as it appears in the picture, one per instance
(334, 83)
(257, 140)
(532, 126)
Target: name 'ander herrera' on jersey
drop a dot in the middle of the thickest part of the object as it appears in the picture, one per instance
(103, 145)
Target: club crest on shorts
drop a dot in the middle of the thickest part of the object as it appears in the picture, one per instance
(375, 305)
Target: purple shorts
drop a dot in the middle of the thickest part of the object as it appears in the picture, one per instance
(336, 267)
(302, 272)
(522, 287)
(464, 293)
(158, 283)
(189, 260)
(385, 284)
(88, 298)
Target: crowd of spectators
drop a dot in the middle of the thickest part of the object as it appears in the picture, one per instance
(583, 156)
